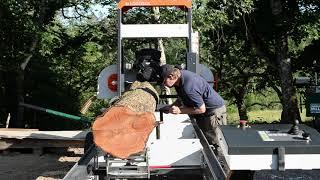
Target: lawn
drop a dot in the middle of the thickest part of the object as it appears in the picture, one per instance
(258, 116)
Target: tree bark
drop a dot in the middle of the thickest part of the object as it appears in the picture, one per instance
(280, 58)
(19, 123)
(124, 128)
(156, 16)
(242, 108)
(239, 95)
(289, 99)
(18, 111)
(290, 109)
(160, 47)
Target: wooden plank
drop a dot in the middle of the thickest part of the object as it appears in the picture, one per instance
(17, 129)
(38, 143)
(53, 135)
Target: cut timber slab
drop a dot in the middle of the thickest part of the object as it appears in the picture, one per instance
(17, 129)
(41, 139)
(64, 135)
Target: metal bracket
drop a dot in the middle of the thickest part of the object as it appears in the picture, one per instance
(83, 168)
(135, 166)
(281, 161)
(215, 170)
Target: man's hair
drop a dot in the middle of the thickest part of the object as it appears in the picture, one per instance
(168, 69)
(175, 72)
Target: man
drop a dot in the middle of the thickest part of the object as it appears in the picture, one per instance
(196, 98)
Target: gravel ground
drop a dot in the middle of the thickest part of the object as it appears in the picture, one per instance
(54, 166)
(288, 175)
(49, 166)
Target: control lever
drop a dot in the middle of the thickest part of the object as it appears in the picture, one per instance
(295, 128)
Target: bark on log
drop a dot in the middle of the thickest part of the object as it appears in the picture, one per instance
(124, 128)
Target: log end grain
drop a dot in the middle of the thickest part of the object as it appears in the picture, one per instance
(122, 132)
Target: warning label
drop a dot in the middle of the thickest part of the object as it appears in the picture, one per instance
(279, 136)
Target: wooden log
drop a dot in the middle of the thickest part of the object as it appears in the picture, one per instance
(124, 128)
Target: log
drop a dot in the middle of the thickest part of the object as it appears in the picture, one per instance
(124, 128)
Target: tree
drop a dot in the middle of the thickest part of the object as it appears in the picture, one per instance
(19, 42)
(227, 51)
(24, 54)
(269, 29)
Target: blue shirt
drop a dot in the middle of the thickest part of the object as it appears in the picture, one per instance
(195, 90)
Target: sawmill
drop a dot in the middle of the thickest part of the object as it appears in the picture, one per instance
(133, 139)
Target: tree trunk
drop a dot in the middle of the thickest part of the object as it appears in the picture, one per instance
(163, 59)
(242, 109)
(10, 97)
(160, 46)
(124, 128)
(289, 98)
(290, 107)
(19, 123)
(156, 16)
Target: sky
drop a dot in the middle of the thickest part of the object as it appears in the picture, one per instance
(97, 10)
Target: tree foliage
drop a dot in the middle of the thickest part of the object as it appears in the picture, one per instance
(276, 33)
(52, 51)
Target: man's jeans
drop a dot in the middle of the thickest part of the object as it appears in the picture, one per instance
(208, 122)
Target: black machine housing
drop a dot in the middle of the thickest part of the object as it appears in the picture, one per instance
(147, 65)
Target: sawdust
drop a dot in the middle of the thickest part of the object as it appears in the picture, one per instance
(49, 166)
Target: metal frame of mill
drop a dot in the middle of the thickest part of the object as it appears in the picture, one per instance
(177, 148)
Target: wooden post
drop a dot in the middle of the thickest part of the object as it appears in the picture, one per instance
(8, 120)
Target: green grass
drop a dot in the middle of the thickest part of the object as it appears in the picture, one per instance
(258, 116)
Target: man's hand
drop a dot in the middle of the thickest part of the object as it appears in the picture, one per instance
(165, 109)
(175, 110)
(183, 109)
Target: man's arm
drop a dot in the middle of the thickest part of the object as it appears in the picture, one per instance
(177, 103)
(166, 109)
(188, 110)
